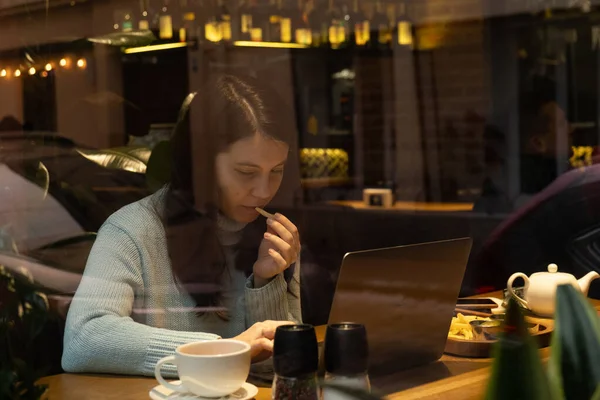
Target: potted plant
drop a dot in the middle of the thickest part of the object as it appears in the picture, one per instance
(573, 371)
(23, 314)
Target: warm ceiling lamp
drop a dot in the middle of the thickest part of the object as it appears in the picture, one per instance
(18, 73)
(81, 63)
(3, 73)
(276, 45)
(63, 62)
(154, 47)
(32, 71)
(48, 67)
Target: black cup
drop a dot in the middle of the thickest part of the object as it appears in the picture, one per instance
(346, 349)
(295, 351)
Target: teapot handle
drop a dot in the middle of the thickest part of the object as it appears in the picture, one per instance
(509, 286)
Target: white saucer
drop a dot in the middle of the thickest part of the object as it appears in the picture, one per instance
(246, 392)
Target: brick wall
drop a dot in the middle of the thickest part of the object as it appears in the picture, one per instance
(453, 86)
(373, 95)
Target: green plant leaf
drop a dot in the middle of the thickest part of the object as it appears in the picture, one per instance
(139, 152)
(517, 371)
(185, 106)
(158, 171)
(85, 237)
(125, 39)
(574, 366)
(23, 313)
(115, 159)
(596, 395)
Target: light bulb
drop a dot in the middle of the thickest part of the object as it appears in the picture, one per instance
(32, 71)
(81, 63)
(48, 67)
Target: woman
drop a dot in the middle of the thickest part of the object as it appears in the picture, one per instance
(194, 261)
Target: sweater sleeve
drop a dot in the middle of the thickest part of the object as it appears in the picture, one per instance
(100, 336)
(278, 300)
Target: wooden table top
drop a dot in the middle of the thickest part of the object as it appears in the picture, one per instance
(449, 378)
(408, 206)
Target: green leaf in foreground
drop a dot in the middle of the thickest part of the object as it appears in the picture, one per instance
(517, 371)
(574, 366)
(596, 395)
(158, 171)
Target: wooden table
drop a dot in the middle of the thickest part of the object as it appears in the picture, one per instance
(408, 206)
(109, 387)
(449, 378)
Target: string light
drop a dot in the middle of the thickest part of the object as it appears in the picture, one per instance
(43, 69)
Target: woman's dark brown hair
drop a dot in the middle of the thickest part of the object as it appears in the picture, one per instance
(228, 108)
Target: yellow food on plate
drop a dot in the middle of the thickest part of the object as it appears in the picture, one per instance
(460, 327)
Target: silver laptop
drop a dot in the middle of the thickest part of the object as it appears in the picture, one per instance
(405, 296)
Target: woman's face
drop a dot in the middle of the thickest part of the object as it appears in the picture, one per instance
(249, 174)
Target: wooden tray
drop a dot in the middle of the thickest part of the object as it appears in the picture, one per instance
(483, 348)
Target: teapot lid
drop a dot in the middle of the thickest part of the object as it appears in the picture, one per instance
(552, 268)
(553, 275)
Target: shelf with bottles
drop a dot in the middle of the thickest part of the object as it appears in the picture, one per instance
(326, 24)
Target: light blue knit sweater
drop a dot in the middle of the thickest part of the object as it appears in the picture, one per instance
(129, 312)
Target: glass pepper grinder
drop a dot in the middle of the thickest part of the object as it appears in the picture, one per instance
(295, 362)
(346, 359)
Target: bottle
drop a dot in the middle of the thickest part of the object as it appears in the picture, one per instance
(245, 11)
(165, 22)
(336, 32)
(224, 20)
(357, 24)
(404, 30)
(302, 33)
(144, 20)
(345, 27)
(286, 15)
(261, 24)
(187, 30)
(346, 356)
(295, 362)
(127, 24)
(212, 26)
(273, 31)
(381, 24)
(316, 21)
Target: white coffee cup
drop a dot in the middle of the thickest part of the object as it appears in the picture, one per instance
(214, 368)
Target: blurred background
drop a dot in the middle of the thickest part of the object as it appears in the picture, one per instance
(416, 121)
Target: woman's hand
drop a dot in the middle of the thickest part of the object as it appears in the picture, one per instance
(279, 249)
(260, 338)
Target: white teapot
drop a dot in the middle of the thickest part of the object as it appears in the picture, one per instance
(540, 288)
